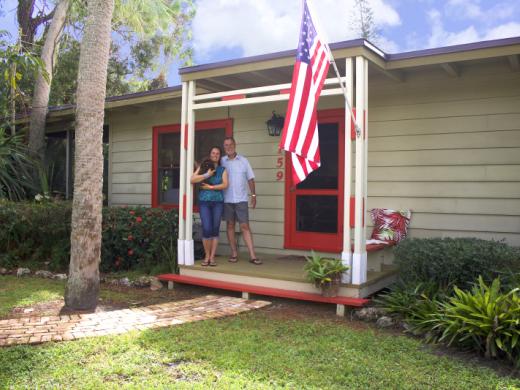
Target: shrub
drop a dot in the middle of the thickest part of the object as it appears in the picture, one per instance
(413, 303)
(34, 233)
(138, 238)
(455, 261)
(484, 319)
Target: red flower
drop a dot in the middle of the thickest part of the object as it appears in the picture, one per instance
(132, 212)
(130, 252)
(138, 219)
(130, 238)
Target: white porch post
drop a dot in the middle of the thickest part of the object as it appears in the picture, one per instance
(182, 180)
(365, 141)
(346, 254)
(359, 260)
(189, 256)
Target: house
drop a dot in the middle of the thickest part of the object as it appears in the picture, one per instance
(440, 136)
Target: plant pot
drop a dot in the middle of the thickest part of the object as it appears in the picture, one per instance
(331, 289)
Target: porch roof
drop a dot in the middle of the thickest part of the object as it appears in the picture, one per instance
(276, 68)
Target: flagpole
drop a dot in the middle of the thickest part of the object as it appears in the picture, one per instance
(333, 62)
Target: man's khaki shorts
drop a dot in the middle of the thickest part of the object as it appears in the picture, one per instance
(236, 212)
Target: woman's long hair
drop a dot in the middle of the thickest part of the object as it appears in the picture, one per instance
(209, 153)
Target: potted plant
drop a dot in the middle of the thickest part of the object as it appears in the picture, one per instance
(325, 273)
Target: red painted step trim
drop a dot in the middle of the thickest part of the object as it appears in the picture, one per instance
(273, 292)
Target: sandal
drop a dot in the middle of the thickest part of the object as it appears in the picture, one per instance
(256, 261)
(212, 263)
(233, 259)
(205, 263)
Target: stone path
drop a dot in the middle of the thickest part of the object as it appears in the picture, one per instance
(35, 330)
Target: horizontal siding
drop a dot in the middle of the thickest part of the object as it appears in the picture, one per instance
(488, 173)
(441, 125)
(451, 155)
(445, 189)
(446, 148)
(478, 206)
(447, 157)
(460, 141)
(131, 132)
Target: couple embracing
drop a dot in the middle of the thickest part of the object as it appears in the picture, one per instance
(224, 192)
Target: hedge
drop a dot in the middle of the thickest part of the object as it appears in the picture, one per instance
(456, 261)
(133, 237)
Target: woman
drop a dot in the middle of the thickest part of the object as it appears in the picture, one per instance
(214, 179)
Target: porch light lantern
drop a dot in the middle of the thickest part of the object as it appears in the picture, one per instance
(275, 125)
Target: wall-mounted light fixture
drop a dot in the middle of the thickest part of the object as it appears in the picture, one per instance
(275, 125)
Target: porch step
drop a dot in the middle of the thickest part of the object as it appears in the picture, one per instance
(273, 292)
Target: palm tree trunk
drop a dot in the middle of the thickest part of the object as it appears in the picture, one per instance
(42, 88)
(83, 284)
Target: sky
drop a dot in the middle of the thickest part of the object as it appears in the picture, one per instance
(230, 29)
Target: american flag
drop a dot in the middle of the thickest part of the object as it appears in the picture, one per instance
(300, 133)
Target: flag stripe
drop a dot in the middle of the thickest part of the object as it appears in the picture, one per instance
(300, 134)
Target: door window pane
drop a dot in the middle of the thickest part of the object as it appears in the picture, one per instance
(317, 213)
(326, 176)
(169, 168)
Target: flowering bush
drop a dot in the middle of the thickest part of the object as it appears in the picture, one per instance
(34, 233)
(135, 238)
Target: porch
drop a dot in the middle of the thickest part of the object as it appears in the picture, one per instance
(285, 272)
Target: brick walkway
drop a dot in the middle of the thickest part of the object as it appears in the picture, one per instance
(35, 330)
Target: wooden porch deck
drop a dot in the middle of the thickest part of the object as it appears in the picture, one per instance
(283, 272)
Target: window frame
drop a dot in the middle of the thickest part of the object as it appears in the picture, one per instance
(226, 124)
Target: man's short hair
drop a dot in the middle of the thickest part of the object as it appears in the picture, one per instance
(230, 138)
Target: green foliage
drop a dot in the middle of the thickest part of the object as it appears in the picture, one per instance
(484, 319)
(17, 66)
(133, 238)
(33, 233)
(322, 270)
(413, 303)
(149, 36)
(15, 167)
(455, 261)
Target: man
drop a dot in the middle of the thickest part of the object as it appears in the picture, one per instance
(240, 177)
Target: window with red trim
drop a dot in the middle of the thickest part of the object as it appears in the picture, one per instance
(166, 151)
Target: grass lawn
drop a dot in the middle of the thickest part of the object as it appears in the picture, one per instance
(258, 350)
(27, 291)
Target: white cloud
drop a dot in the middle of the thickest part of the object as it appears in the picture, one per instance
(506, 30)
(471, 9)
(264, 26)
(440, 37)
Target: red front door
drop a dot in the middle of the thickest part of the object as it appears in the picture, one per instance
(314, 208)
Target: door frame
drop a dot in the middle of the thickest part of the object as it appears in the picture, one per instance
(325, 242)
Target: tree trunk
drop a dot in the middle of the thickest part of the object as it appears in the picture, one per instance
(42, 88)
(83, 284)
